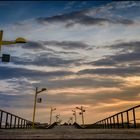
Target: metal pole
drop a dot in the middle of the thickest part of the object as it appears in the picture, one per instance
(6, 123)
(114, 121)
(134, 118)
(117, 120)
(75, 117)
(82, 115)
(11, 118)
(127, 119)
(122, 120)
(1, 35)
(51, 117)
(34, 108)
(1, 115)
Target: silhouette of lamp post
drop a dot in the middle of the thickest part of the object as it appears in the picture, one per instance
(6, 57)
(74, 113)
(81, 113)
(52, 109)
(35, 100)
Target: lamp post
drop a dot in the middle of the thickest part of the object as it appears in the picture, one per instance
(6, 57)
(81, 113)
(74, 113)
(52, 109)
(36, 92)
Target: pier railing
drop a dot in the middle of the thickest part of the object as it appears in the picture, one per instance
(129, 118)
(9, 120)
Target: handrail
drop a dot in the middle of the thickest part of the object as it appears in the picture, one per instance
(117, 120)
(9, 120)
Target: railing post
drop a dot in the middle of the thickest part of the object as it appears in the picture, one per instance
(110, 123)
(134, 118)
(102, 124)
(117, 121)
(114, 121)
(11, 120)
(21, 123)
(127, 119)
(107, 123)
(1, 115)
(122, 120)
(24, 123)
(15, 122)
(6, 122)
(18, 121)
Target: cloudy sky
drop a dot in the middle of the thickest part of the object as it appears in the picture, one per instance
(84, 52)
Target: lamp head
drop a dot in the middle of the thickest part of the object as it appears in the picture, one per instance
(77, 108)
(20, 40)
(53, 109)
(43, 89)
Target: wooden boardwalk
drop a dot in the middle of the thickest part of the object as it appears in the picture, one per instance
(69, 132)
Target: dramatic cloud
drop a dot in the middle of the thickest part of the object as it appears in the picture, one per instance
(9, 72)
(129, 53)
(120, 71)
(84, 53)
(86, 82)
(125, 46)
(44, 60)
(69, 45)
(82, 19)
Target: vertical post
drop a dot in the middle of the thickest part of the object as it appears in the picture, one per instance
(83, 118)
(18, 121)
(1, 119)
(15, 122)
(21, 123)
(75, 116)
(117, 121)
(6, 122)
(34, 107)
(107, 123)
(102, 124)
(127, 119)
(110, 123)
(1, 35)
(114, 121)
(134, 118)
(122, 120)
(11, 120)
(24, 123)
(51, 116)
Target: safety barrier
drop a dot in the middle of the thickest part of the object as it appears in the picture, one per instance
(9, 120)
(126, 119)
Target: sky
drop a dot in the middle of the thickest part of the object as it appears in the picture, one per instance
(86, 53)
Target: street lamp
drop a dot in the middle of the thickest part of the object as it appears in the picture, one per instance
(81, 113)
(36, 93)
(6, 57)
(74, 113)
(52, 109)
